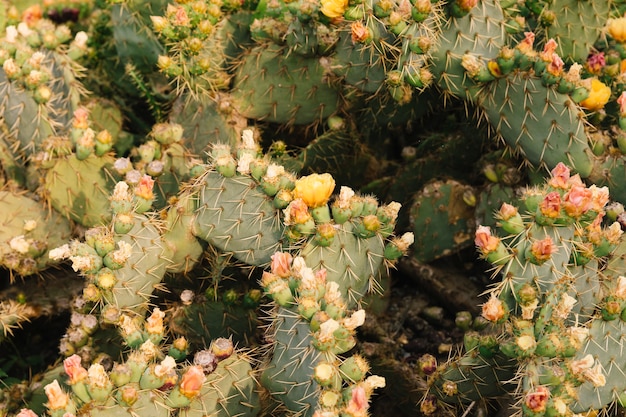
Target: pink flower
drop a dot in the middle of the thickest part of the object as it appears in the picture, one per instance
(595, 63)
(556, 65)
(74, 369)
(485, 241)
(507, 211)
(25, 412)
(577, 200)
(281, 264)
(526, 44)
(621, 100)
(560, 176)
(357, 405)
(192, 381)
(144, 188)
(549, 50)
(537, 400)
(551, 205)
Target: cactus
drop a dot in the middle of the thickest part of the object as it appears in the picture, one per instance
(553, 308)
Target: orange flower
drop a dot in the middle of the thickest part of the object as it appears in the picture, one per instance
(281, 264)
(485, 241)
(559, 176)
(192, 381)
(144, 188)
(359, 32)
(543, 249)
(507, 211)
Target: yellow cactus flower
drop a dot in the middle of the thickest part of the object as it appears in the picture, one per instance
(334, 8)
(599, 95)
(617, 29)
(314, 189)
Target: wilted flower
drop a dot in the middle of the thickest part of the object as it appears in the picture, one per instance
(493, 310)
(550, 206)
(359, 32)
(543, 249)
(537, 400)
(57, 398)
(144, 188)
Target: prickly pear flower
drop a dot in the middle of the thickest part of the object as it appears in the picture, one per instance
(467, 5)
(314, 189)
(526, 45)
(564, 307)
(485, 241)
(577, 201)
(191, 381)
(345, 197)
(595, 375)
(573, 73)
(617, 29)
(159, 23)
(74, 370)
(297, 266)
(559, 176)
(493, 310)
(24, 30)
(29, 225)
(57, 398)
(355, 320)
(555, 67)
(507, 211)
(87, 139)
(334, 8)
(613, 233)
(357, 404)
(82, 263)
(405, 241)
(599, 197)
(98, 376)
(595, 63)
(80, 40)
(144, 188)
(149, 350)
(281, 264)
(165, 368)
(26, 412)
(81, 118)
(11, 68)
(620, 289)
(472, 64)
(528, 309)
(10, 34)
(124, 251)
(307, 279)
(327, 329)
(32, 15)
(359, 32)
(599, 95)
(60, 253)
(549, 50)
(243, 163)
(247, 139)
(19, 244)
(332, 293)
(373, 382)
(273, 171)
(542, 250)
(581, 365)
(550, 206)
(154, 323)
(537, 400)
(577, 333)
(297, 212)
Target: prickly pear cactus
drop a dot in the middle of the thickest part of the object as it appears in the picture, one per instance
(555, 313)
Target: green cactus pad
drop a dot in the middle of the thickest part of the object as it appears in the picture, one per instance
(236, 216)
(539, 123)
(441, 219)
(275, 87)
